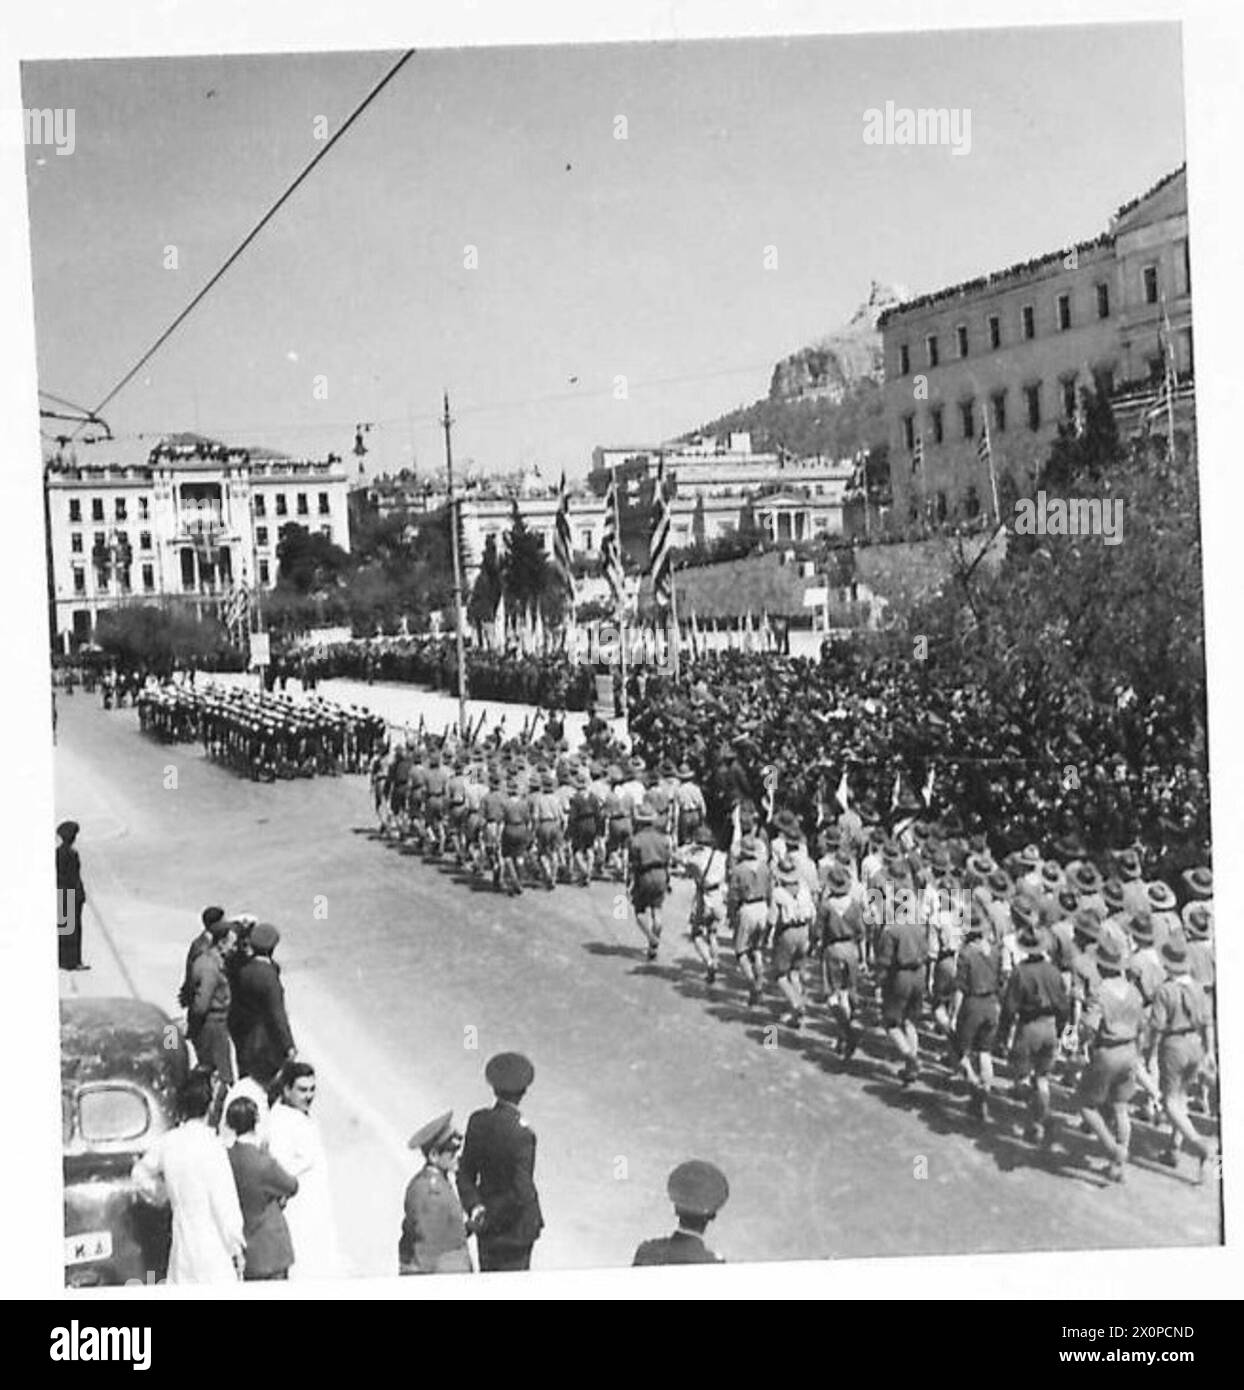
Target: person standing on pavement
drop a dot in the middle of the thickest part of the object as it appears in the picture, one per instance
(207, 1014)
(263, 1189)
(295, 1142)
(188, 1169)
(698, 1191)
(261, 1031)
(496, 1177)
(650, 875)
(70, 898)
(434, 1232)
(902, 956)
(209, 917)
(1179, 1020)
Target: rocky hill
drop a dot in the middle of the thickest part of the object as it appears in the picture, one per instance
(826, 398)
(828, 368)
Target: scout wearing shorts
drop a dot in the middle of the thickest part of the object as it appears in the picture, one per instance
(792, 914)
(975, 1009)
(1179, 1019)
(1114, 1020)
(839, 930)
(707, 866)
(749, 893)
(1036, 1003)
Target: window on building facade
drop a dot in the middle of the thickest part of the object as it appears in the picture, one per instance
(1103, 381)
(966, 414)
(1069, 397)
(1156, 372)
(75, 542)
(1032, 400)
(261, 504)
(998, 400)
(904, 360)
(961, 337)
(931, 344)
(909, 431)
(100, 539)
(302, 504)
(1187, 337)
(1151, 284)
(939, 425)
(1028, 316)
(941, 506)
(282, 508)
(144, 509)
(144, 540)
(97, 509)
(75, 509)
(995, 331)
(586, 540)
(263, 571)
(261, 535)
(119, 508)
(1103, 301)
(1064, 312)
(148, 578)
(79, 579)
(323, 503)
(971, 502)
(1187, 270)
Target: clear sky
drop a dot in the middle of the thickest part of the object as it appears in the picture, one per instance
(597, 257)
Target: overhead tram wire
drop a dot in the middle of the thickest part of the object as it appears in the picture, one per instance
(252, 234)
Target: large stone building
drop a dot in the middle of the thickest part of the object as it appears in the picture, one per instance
(1014, 346)
(189, 520)
(715, 482)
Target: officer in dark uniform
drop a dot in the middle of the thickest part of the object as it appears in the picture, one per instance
(698, 1191)
(496, 1178)
(70, 898)
(434, 1231)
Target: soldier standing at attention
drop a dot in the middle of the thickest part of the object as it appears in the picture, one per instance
(434, 1232)
(496, 1178)
(70, 898)
(698, 1191)
(1035, 1000)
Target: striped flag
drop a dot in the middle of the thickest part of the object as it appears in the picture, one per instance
(917, 454)
(984, 452)
(659, 567)
(561, 538)
(610, 553)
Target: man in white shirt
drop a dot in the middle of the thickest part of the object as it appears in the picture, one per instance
(188, 1167)
(294, 1141)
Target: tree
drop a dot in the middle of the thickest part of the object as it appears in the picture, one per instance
(524, 566)
(308, 561)
(486, 593)
(1090, 454)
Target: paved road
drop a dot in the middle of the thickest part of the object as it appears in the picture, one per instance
(402, 980)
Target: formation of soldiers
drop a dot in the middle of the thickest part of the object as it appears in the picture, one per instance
(263, 736)
(1065, 966)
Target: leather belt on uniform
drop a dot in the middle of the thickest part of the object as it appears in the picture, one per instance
(1179, 1032)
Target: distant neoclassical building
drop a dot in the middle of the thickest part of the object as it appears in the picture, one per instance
(1013, 347)
(190, 519)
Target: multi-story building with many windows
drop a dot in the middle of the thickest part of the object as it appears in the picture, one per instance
(190, 520)
(1010, 351)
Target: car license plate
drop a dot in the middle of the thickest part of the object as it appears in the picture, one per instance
(89, 1245)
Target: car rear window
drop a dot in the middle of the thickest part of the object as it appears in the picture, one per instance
(109, 1113)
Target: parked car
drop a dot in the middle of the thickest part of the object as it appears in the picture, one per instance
(122, 1061)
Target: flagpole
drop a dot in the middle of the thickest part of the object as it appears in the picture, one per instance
(620, 605)
(1168, 356)
(446, 421)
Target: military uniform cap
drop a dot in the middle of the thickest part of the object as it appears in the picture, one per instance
(434, 1134)
(509, 1071)
(698, 1188)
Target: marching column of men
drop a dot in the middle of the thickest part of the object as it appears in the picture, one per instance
(262, 735)
(1096, 979)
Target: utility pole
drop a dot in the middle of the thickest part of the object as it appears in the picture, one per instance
(446, 421)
